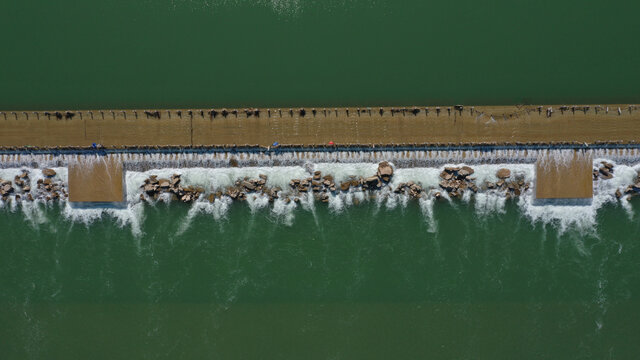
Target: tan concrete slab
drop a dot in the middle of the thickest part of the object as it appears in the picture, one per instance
(99, 180)
(471, 125)
(569, 178)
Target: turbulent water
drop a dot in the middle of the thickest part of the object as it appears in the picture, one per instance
(361, 276)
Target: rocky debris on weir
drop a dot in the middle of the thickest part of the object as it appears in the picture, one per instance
(512, 186)
(604, 171)
(153, 188)
(456, 180)
(21, 189)
(631, 190)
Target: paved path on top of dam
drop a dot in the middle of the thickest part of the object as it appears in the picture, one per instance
(319, 126)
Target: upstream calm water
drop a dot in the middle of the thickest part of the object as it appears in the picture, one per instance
(367, 283)
(188, 53)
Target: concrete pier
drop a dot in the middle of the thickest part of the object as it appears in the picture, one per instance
(564, 181)
(100, 181)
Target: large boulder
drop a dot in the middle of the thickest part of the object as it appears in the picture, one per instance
(164, 183)
(605, 173)
(465, 171)
(49, 172)
(385, 171)
(503, 173)
(345, 186)
(446, 175)
(249, 185)
(372, 181)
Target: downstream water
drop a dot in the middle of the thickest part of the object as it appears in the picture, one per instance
(200, 53)
(381, 277)
(368, 283)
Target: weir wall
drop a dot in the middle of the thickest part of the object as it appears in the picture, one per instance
(479, 125)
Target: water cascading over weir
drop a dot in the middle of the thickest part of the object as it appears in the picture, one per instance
(99, 146)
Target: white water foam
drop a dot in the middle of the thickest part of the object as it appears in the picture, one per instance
(341, 166)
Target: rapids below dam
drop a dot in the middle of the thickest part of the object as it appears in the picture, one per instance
(362, 275)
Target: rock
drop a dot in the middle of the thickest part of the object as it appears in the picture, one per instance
(500, 183)
(451, 169)
(153, 179)
(605, 173)
(324, 197)
(400, 188)
(345, 186)
(29, 197)
(26, 188)
(49, 172)
(446, 175)
(437, 195)
(607, 165)
(503, 173)
(618, 194)
(150, 188)
(263, 177)
(248, 185)
(446, 185)
(371, 180)
(233, 193)
(6, 189)
(465, 171)
(385, 171)
(317, 175)
(175, 180)
(164, 183)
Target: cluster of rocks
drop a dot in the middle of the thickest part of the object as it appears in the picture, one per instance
(605, 171)
(154, 187)
(21, 189)
(323, 185)
(512, 186)
(455, 180)
(631, 190)
(248, 186)
(412, 189)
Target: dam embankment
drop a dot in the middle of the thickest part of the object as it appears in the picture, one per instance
(308, 127)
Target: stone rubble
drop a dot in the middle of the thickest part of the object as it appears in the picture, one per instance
(47, 189)
(455, 181)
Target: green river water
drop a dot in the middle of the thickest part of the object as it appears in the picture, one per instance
(200, 53)
(366, 283)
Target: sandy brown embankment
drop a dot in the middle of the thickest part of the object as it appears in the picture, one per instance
(309, 126)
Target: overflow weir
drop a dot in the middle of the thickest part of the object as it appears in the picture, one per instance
(273, 131)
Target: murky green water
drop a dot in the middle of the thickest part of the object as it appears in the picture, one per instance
(367, 283)
(188, 53)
